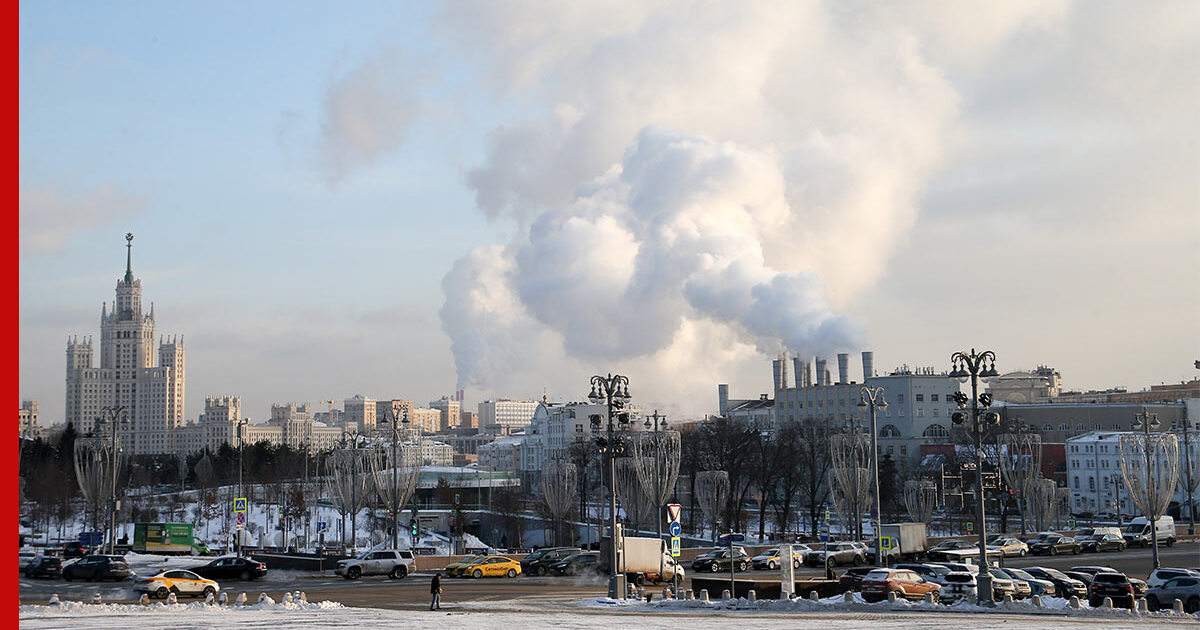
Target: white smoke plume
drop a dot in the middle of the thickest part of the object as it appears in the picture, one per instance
(737, 171)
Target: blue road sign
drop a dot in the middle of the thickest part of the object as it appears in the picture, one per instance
(239, 505)
(322, 526)
(728, 539)
(675, 528)
(91, 539)
(675, 546)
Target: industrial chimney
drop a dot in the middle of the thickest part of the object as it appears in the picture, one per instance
(868, 360)
(821, 372)
(843, 368)
(723, 398)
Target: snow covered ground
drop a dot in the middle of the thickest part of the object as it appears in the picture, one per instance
(829, 614)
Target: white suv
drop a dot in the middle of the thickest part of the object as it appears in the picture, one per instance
(394, 563)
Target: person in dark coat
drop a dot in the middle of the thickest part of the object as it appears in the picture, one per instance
(435, 589)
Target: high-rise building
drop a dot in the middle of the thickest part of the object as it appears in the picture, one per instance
(361, 411)
(27, 419)
(450, 410)
(502, 417)
(132, 382)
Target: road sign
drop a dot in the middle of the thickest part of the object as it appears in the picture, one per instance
(885, 543)
(673, 510)
(970, 527)
(827, 514)
(91, 539)
(241, 519)
(1070, 523)
(322, 526)
(675, 529)
(675, 546)
(239, 506)
(729, 539)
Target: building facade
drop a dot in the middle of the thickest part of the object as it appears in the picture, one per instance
(504, 416)
(27, 419)
(134, 381)
(1094, 472)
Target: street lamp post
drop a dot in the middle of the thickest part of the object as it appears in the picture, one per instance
(614, 393)
(1189, 488)
(659, 424)
(1144, 422)
(973, 366)
(113, 413)
(241, 491)
(393, 508)
(872, 398)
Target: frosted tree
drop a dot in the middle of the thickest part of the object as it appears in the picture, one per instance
(712, 495)
(351, 485)
(395, 480)
(1150, 468)
(1021, 465)
(920, 497)
(96, 467)
(850, 455)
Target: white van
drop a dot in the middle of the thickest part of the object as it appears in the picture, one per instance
(1137, 533)
(1087, 532)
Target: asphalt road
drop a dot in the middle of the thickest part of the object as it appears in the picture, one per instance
(412, 593)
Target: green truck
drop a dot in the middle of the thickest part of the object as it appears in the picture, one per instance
(167, 539)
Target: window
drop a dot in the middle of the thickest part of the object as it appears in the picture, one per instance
(933, 397)
(935, 430)
(920, 397)
(1076, 483)
(900, 398)
(889, 431)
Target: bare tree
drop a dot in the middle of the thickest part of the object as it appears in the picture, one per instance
(351, 484)
(850, 475)
(712, 495)
(920, 497)
(558, 489)
(814, 462)
(1021, 465)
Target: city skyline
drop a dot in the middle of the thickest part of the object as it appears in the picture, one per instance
(409, 200)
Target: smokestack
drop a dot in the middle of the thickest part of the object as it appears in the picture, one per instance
(821, 371)
(722, 398)
(798, 368)
(843, 368)
(868, 359)
(777, 372)
(783, 371)
(808, 376)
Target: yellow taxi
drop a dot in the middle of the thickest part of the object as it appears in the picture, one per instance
(454, 569)
(493, 566)
(178, 581)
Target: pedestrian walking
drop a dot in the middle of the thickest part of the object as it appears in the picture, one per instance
(435, 589)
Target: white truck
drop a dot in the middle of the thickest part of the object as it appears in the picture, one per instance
(642, 559)
(1137, 532)
(907, 541)
(394, 563)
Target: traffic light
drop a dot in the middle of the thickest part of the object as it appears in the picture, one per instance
(958, 417)
(412, 527)
(985, 400)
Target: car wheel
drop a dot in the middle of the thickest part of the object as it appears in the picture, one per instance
(161, 592)
(858, 560)
(208, 590)
(477, 574)
(1075, 550)
(937, 597)
(512, 573)
(353, 573)
(795, 564)
(1053, 551)
(245, 576)
(398, 572)
(1152, 603)
(772, 566)
(1021, 553)
(1170, 542)
(67, 576)
(714, 568)
(1192, 605)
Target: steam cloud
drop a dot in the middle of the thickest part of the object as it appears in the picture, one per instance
(734, 174)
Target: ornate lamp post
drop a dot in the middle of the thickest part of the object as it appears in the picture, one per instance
(973, 366)
(394, 494)
(1144, 422)
(872, 398)
(613, 391)
(241, 494)
(114, 424)
(1189, 488)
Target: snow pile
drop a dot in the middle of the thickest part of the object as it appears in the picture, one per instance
(1050, 606)
(267, 604)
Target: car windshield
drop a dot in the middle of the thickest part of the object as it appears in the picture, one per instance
(876, 575)
(770, 552)
(1020, 574)
(1134, 529)
(1054, 573)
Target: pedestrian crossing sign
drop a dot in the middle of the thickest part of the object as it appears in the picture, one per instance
(239, 506)
(674, 546)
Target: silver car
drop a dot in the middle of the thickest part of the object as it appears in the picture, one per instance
(1185, 589)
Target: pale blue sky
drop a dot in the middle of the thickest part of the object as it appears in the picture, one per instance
(302, 176)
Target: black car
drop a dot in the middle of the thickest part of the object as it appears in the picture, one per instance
(1114, 585)
(234, 568)
(1064, 585)
(577, 564)
(74, 550)
(1082, 576)
(97, 568)
(720, 560)
(44, 567)
(1054, 545)
(538, 562)
(1103, 542)
(852, 579)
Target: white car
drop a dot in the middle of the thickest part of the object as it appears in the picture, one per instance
(394, 563)
(1008, 546)
(1160, 576)
(26, 556)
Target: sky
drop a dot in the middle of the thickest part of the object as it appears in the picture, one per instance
(403, 199)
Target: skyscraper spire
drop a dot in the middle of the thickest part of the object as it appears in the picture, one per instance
(129, 257)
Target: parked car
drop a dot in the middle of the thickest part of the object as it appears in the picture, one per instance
(1158, 577)
(904, 583)
(394, 563)
(25, 556)
(1114, 585)
(74, 550)
(97, 567)
(769, 559)
(1184, 588)
(1064, 586)
(1008, 546)
(852, 579)
(1139, 586)
(232, 568)
(721, 559)
(178, 581)
(1003, 585)
(1085, 533)
(538, 562)
(959, 585)
(1037, 586)
(577, 564)
(929, 570)
(1054, 545)
(44, 567)
(1102, 542)
(839, 553)
(494, 566)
